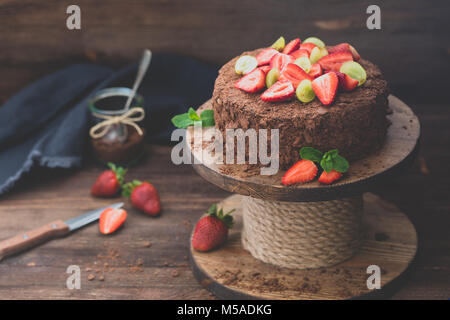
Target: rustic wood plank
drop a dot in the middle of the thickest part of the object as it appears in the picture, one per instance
(50, 194)
(164, 273)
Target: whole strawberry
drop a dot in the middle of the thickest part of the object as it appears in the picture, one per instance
(108, 182)
(212, 230)
(143, 196)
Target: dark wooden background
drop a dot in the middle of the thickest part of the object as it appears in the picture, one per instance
(412, 49)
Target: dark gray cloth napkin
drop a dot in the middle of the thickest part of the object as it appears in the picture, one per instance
(46, 124)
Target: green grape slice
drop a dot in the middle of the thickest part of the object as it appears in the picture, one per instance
(316, 41)
(305, 92)
(245, 64)
(354, 70)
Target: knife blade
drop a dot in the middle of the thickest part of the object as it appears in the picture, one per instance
(49, 231)
(91, 216)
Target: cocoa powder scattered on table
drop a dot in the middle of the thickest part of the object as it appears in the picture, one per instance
(147, 244)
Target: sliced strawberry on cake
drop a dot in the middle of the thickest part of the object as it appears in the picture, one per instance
(345, 47)
(325, 87)
(280, 60)
(253, 82)
(299, 53)
(282, 90)
(308, 46)
(346, 83)
(335, 60)
(316, 70)
(265, 56)
(294, 74)
(303, 171)
(292, 46)
(265, 69)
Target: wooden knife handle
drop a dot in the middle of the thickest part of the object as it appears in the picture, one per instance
(32, 238)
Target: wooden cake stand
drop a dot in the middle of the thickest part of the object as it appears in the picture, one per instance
(312, 241)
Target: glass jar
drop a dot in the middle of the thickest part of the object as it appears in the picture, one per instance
(121, 143)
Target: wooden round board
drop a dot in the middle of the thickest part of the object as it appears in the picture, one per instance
(230, 272)
(397, 153)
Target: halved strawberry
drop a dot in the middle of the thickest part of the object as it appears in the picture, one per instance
(294, 74)
(325, 87)
(349, 83)
(308, 46)
(355, 53)
(299, 53)
(345, 47)
(316, 70)
(333, 61)
(281, 90)
(339, 47)
(292, 46)
(111, 219)
(329, 177)
(346, 83)
(302, 171)
(253, 82)
(280, 61)
(265, 69)
(265, 56)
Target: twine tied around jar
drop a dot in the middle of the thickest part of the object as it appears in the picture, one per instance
(130, 117)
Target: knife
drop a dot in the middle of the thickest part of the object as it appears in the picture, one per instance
(55, 229)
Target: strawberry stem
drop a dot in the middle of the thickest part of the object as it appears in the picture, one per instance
(128, 188)
(226, 218)
(119, 171)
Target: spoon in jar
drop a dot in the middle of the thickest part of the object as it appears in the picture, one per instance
(143, 66)
(122, 131)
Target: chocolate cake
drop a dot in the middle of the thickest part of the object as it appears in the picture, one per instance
(355, 123)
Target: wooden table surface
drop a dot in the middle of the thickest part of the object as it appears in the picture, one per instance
(133, 269)
(34, 41)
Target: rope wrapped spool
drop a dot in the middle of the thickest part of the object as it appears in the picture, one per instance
(302, 235)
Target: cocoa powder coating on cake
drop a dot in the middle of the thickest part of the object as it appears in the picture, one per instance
(355, 123)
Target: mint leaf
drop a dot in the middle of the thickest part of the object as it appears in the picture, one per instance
(193, 115)
(332, 153)
(340, 164)
(189, 118)
(207, 114)
(310, 153)
(331, 160)
(182, 121)
(326, 164)
(208, 123)
(207, 117)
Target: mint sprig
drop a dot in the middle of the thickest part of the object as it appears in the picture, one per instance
(310, 153)
(189, 118)
(330, 160)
